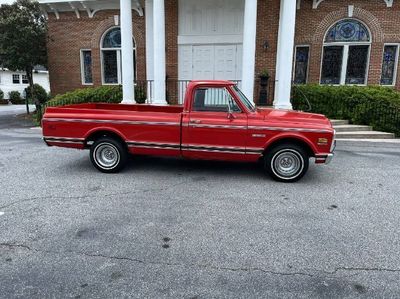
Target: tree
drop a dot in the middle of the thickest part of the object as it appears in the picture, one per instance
(23, 36)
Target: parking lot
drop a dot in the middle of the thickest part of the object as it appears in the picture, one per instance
(190, 229)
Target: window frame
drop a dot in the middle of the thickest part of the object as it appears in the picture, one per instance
(83, 65)
(308, 62)
(119, 59)
(346, 46)
(227, 90)
(396, 64)
(26, 79)
(19, 78)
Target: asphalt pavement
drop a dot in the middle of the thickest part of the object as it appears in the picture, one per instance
(169, 228)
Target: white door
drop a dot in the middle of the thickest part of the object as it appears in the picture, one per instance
(225, 62)
(203, 62)
(210, 62)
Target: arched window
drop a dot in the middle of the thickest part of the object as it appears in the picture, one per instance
(346, 53)
(111, 56)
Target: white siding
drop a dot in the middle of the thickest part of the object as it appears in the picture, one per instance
(7, 85)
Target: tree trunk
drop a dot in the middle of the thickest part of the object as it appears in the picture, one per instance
(29, 75)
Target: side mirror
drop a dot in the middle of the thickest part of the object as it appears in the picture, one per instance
(231, 116)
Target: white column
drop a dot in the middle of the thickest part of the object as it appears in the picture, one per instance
(128, 92)
(249, 47)
(149, 48)
(284, 60)
(159, 51)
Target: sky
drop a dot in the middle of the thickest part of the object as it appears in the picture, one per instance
(6, 1)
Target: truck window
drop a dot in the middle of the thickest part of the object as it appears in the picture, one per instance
(214, 100)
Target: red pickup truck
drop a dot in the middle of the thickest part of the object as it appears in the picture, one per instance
(216, 122)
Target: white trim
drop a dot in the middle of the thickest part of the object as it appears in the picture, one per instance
(159, 52)
(389, 3)
(316, 3)
(210, 39)
(345, 61)
(75, 9)
(285, 49)
(54, 10)
(249, 48)
(294, 60)
(395, 65)
(83, 66)
(350, 11)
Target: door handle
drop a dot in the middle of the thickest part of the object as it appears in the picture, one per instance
(195, 121)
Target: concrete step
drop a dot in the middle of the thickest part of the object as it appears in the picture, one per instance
(339, 122)
(351, 128)
(364, 135)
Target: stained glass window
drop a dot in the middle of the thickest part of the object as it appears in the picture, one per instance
(110, 67)
(112, 39)
(111, 57)
(301, 65)
(348, 31)
(346, 52)
(357, 64)
(389, 64)
(87, 77)
(332, 65)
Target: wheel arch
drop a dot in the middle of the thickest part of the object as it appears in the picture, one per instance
(293, 139)
(95, 134)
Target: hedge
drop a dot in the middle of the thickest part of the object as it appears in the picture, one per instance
(102, 94)
(375, 106)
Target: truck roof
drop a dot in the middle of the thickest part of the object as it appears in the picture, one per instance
(212, 82)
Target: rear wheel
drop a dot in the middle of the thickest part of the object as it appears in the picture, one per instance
(108, 155)
(286, 162)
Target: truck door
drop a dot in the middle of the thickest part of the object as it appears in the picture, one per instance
(215, 128)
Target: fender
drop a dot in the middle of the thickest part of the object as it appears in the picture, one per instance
(106, 129)
(291, 135)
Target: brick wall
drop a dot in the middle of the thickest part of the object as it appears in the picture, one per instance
(69, 34)
(312, 24)
(267, 31)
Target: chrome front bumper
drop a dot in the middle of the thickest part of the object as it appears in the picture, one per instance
(326, 158)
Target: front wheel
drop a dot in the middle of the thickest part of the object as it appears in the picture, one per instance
(286, 163)
(108, 155)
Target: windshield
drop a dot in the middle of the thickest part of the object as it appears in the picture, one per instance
(250, 105)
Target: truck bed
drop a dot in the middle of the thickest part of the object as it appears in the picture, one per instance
(138, 125)
(120, 108)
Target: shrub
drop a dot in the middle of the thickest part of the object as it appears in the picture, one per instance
(376, 106)
(102, 94)
(2, 100)
(15, 97)
(39, 92)
(140, 95)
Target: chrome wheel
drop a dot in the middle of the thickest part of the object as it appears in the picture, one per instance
(106, 155)
(287, 164)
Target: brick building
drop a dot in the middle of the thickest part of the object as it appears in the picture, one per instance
(304, 41)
